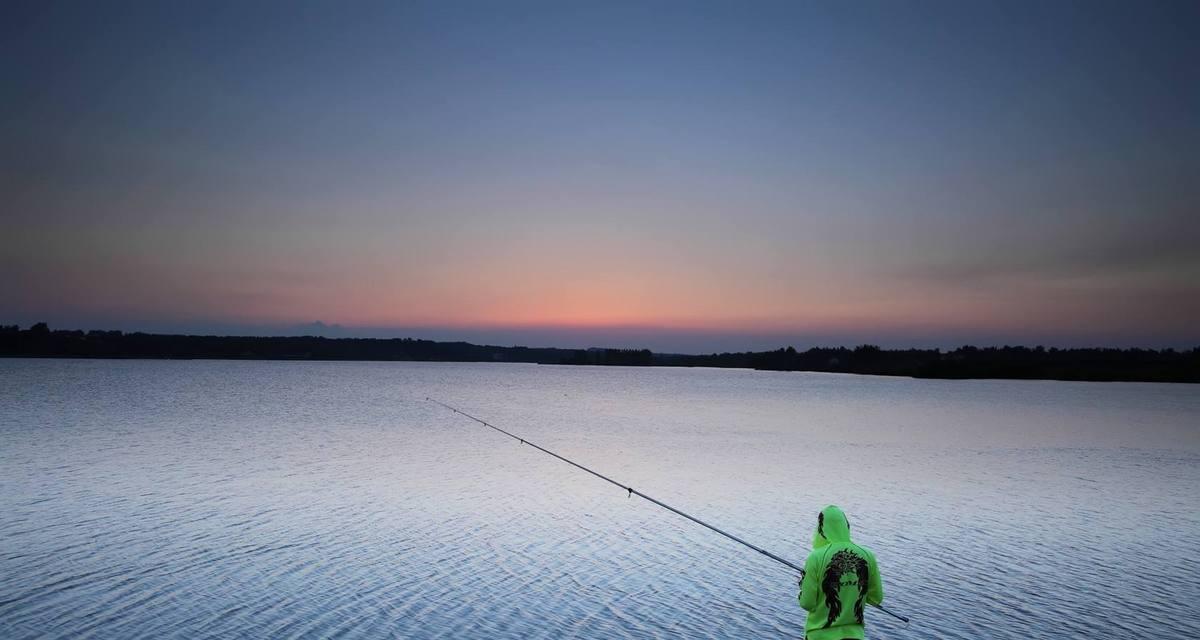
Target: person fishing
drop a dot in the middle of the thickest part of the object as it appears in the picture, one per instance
(829, 535)
(840, 578)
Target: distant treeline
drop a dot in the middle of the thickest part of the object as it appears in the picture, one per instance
(1150, 365)
(1037, 363)
(39, 341)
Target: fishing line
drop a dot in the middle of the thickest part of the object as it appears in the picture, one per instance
(632, 492)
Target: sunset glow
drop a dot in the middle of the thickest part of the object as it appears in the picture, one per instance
(789, 175)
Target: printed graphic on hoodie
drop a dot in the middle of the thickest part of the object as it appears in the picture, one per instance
(845, 569)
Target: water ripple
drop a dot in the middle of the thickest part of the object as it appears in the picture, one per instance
(316, 500)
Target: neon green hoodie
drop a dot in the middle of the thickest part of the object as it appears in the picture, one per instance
(840, 579)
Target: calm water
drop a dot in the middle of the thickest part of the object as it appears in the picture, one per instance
(308, 500)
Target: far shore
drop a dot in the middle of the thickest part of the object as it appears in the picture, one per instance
(967, 362)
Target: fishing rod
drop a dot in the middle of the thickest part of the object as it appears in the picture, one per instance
(632, 492)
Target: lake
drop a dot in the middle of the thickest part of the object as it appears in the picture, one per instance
(217, 499)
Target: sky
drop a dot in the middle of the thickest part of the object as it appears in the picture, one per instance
(682, 176)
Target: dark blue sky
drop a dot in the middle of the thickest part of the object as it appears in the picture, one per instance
(686, 176)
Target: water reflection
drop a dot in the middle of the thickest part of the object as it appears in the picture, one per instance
(253, 499)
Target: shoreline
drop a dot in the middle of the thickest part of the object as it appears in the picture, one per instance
(651, 366)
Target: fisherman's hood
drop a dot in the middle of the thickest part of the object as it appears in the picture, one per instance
(832, 526)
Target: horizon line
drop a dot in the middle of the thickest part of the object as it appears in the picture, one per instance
(783, 347)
